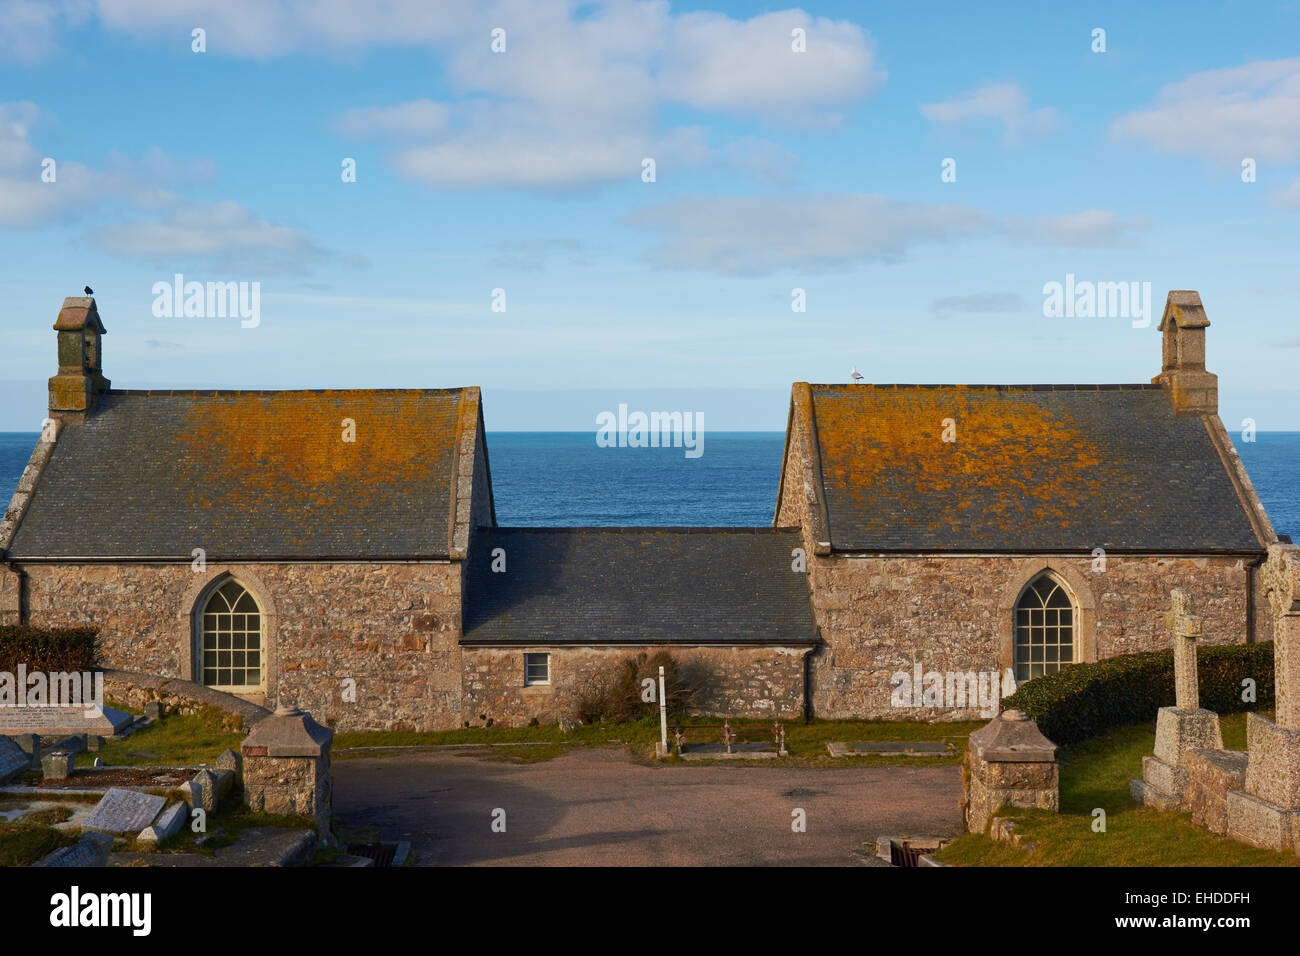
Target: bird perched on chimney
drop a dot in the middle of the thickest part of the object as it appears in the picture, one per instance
(89, 290)
(856, 376)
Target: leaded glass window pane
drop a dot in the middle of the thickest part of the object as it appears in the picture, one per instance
(231, 639)
(1044, 640)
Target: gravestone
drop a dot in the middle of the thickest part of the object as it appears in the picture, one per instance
(1267, 811)
(58, 721)
(212, 786)
(12, 760)
(169, 822)
(30, 745)
(1184, 727)
(153, 710)
(124, 811)
(92, 849)
(56, 765)
(229, 760)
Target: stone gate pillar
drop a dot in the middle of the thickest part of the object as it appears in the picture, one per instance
(1008, 762)
(287, 767)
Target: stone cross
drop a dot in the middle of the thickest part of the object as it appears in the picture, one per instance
(1282, 584)
(1184, 629)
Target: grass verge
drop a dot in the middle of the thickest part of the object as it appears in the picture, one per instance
(1095, 775)
(806, 743)
(175, 741)
(27, 839)
(233, 818)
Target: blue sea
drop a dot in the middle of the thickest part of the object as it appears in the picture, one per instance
(564, 478)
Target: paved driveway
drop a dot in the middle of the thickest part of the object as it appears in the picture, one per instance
(596, 808)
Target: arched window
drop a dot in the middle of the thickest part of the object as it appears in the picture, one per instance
(1045, 629)
(230, 639)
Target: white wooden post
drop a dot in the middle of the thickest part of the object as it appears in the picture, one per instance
(663, 714)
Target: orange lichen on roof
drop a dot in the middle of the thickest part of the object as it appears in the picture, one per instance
(883, 447)
(283, 447)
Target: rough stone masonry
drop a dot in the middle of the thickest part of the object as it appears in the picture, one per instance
(358, 527)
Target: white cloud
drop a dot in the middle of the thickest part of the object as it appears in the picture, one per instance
(519, 146)
(752, 235)
(532, 254)
(29, 29)
(762, 158)
(223, 235)
(612, 50)
(262, 29)
(1003, 103)
(1225, 115)
(1094, 227)
(577, 98)
(1288, 197)
(978, 302)
(713, 62)
(500, 150)
(599, 66)
(26, 200)
(417, 118)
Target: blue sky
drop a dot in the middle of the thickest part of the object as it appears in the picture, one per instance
(775, 170)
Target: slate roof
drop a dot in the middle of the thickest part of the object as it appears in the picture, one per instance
(1033, 468)
(637, 586)
(249, 474)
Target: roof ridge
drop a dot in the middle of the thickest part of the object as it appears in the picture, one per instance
(221, 392)
(1082, 387)
(637, 529)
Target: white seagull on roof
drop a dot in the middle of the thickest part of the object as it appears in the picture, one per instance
(856, 375)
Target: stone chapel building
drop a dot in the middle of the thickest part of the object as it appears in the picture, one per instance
(339, 549)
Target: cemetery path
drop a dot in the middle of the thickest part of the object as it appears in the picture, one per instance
(595, 807)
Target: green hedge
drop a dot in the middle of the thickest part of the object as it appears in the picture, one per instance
(1084, 700)
(48, 649)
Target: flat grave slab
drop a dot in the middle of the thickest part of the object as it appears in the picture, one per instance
(256, 846)
(718, 751)
(124, 811)
(58, 721)
(13, 760)
(891, 748)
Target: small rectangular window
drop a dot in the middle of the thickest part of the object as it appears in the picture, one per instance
(537, 668)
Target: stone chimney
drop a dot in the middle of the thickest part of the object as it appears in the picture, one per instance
(80, 381)
(1192, 389)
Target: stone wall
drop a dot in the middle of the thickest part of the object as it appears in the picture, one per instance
(392, 628)
(289, 786)
(740, 681)
(880, 615)
(179, 696)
